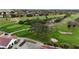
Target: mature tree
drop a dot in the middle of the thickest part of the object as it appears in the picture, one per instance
(5, 15)
(21, 22)
(12, 14)
(41, 30)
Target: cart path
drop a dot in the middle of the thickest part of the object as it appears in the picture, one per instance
(67, 19)
(17, 31)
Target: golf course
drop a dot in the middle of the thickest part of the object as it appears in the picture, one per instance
(21, 30)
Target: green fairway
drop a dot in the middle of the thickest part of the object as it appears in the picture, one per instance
(12, 28)
(72, 39)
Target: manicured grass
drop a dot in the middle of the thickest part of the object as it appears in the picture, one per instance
(17, 28)
(41, 17)
(73, 39)
(32, 36)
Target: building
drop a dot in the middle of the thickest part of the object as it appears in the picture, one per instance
(7, 41)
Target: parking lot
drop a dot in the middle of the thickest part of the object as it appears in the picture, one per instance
(25, 43)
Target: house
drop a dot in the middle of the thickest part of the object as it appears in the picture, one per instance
(6, 11)
(7, 41)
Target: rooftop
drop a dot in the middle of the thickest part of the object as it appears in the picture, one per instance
(5, 40)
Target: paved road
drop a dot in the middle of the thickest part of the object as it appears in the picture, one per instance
(28, 44)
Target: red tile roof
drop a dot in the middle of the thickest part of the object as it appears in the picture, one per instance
(4, 41)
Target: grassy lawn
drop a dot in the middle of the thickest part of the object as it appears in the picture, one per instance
(72, 39)
(40, 17)
(32, 36)
(13, 27)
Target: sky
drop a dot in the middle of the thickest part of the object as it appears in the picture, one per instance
(39, 4)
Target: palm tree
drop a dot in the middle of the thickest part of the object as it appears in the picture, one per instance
(5, 15)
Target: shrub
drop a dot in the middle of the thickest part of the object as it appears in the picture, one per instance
(65, 45)
(29, 15)
(21, 22)
(57, 20)
(56, 44)
(76, 47)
